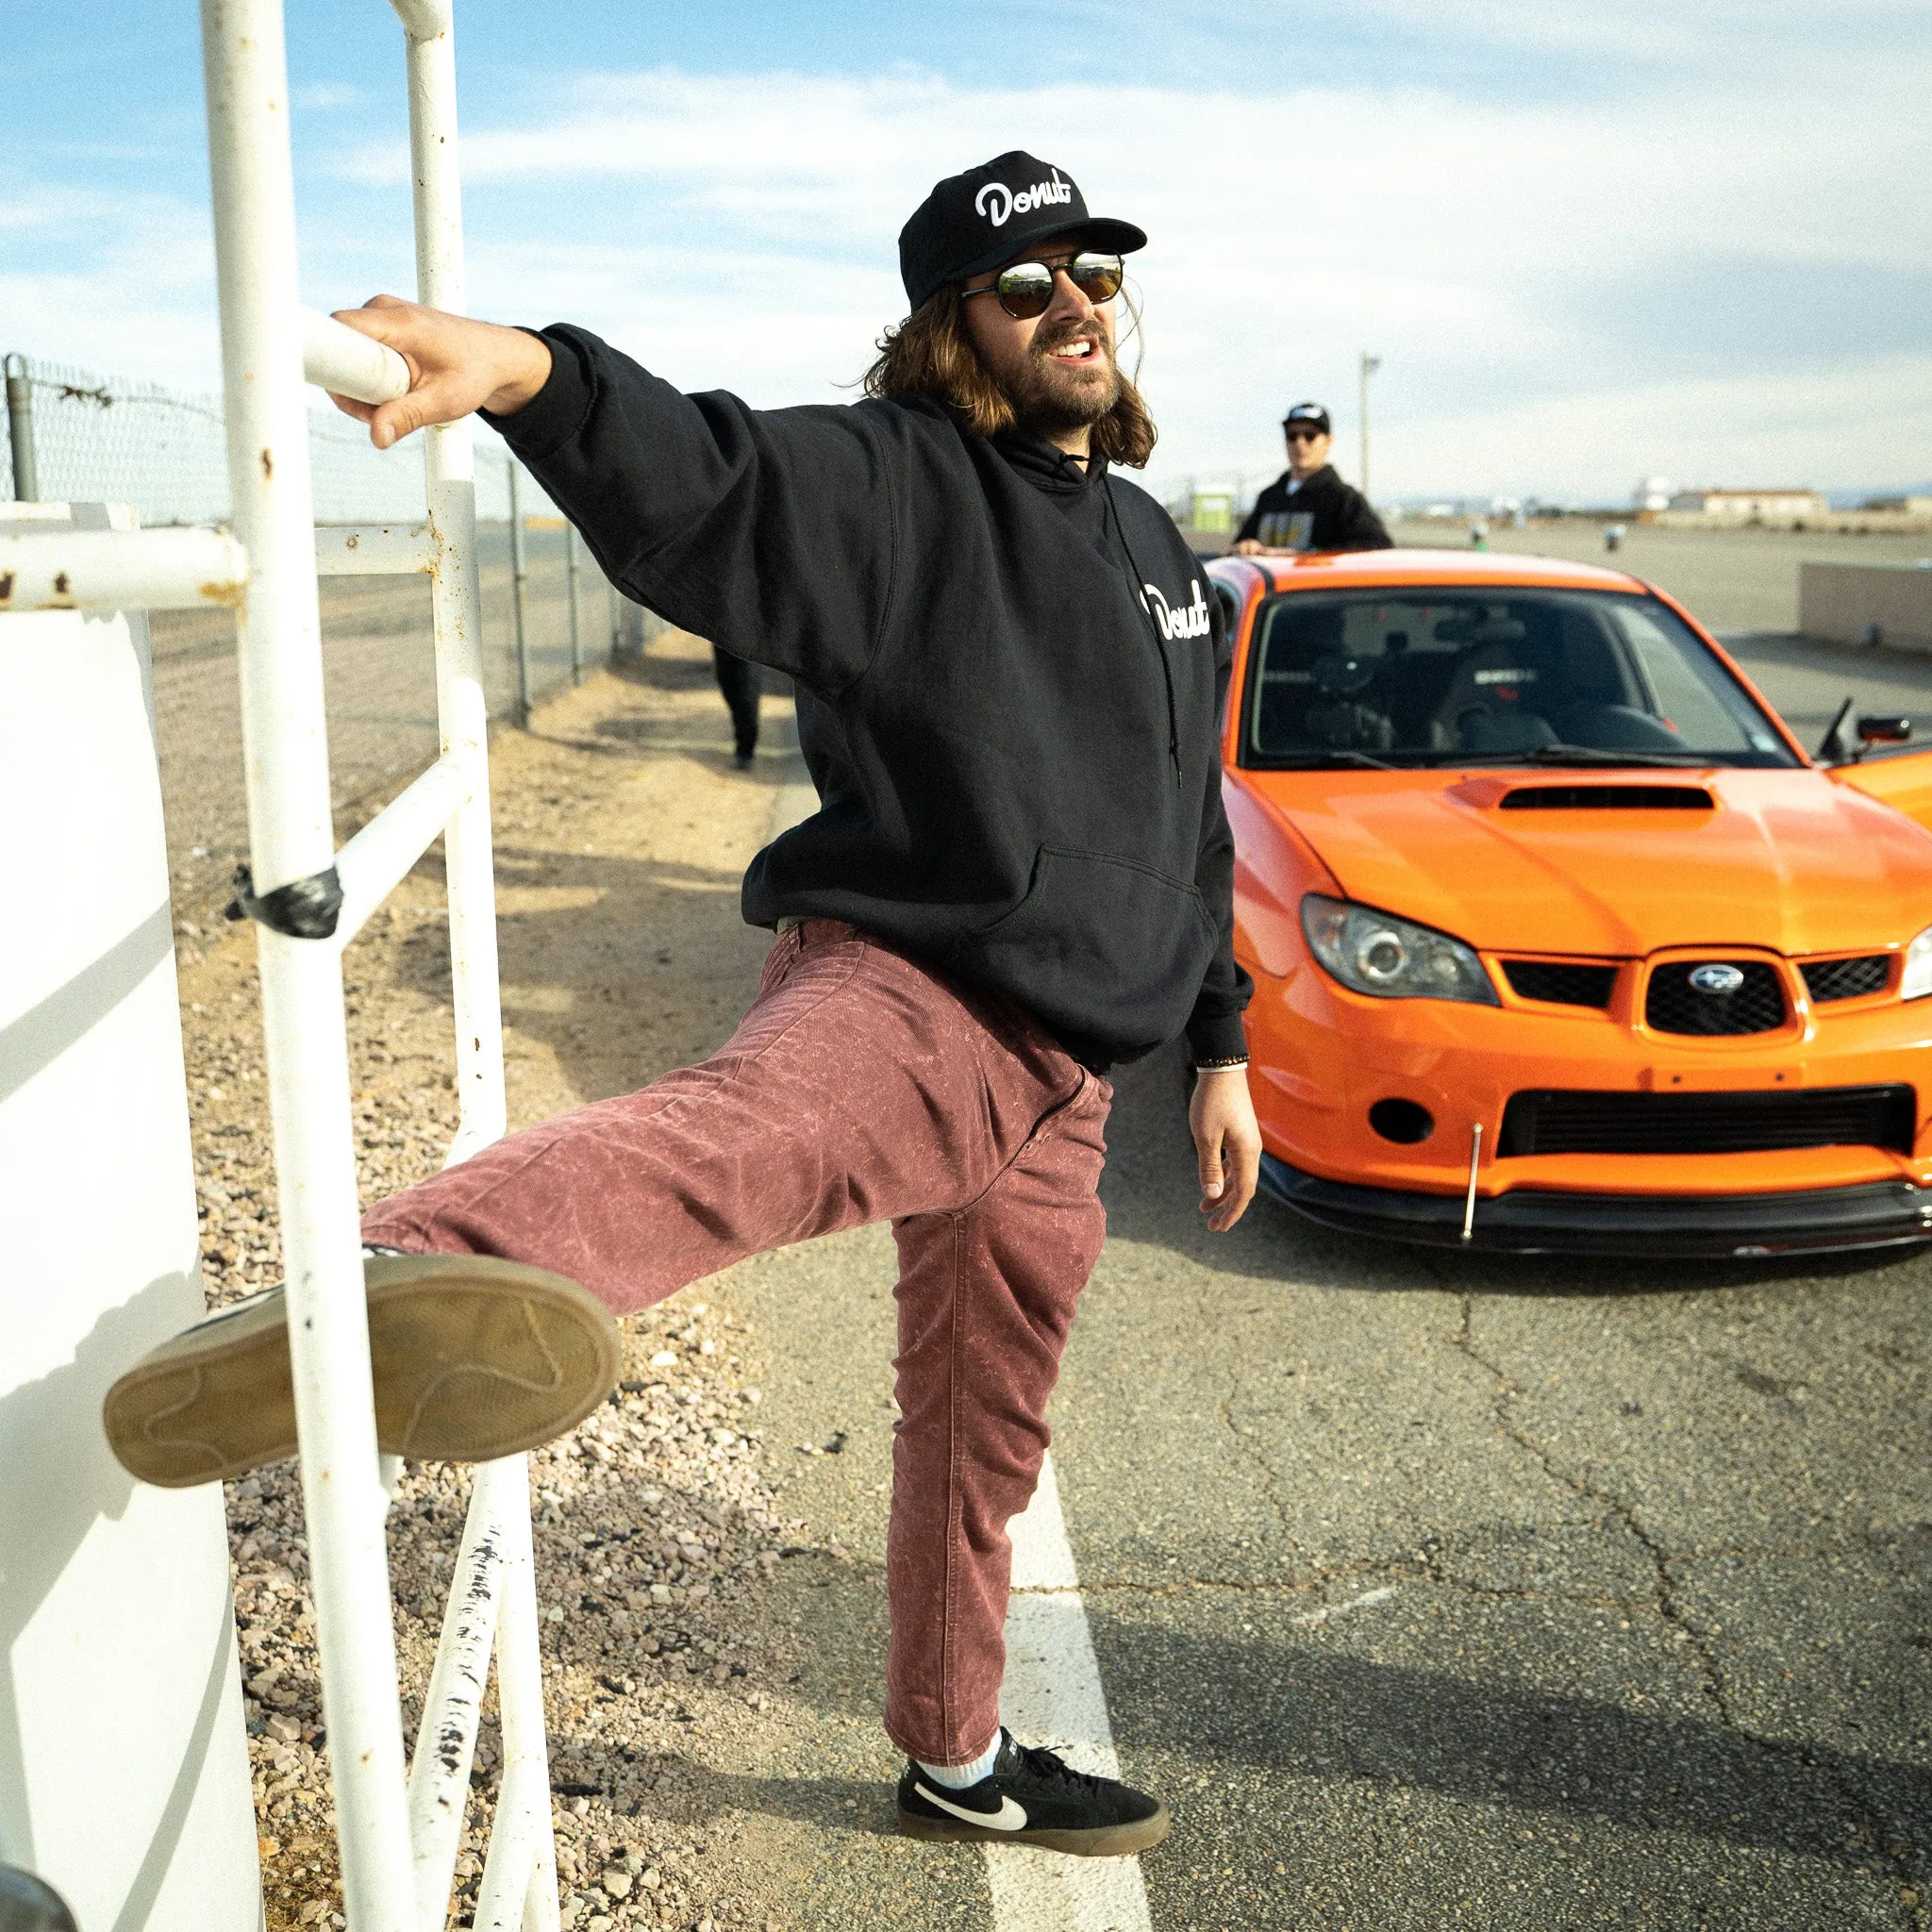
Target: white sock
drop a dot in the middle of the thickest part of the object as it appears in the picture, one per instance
(955, 1777)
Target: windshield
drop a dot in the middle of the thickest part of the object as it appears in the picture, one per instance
(1454, 676)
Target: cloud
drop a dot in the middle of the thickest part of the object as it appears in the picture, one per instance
(1564, 263)
(326, 95)
(109, 282)
(1699, 249)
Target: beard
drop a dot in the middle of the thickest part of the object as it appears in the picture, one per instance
(1052, 394)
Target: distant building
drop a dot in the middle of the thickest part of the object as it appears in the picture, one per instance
(1211, 510)
(1752, 505)
(1654, 492)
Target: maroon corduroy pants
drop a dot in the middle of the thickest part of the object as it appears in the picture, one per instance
(861, 1087)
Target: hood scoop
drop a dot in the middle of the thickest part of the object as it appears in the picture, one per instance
(1607, 798)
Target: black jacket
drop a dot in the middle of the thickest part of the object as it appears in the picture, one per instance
(1324, 513)
(1010, 677)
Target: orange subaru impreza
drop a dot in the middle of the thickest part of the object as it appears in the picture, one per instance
(1561, 940)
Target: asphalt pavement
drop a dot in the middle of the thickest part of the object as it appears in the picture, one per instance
(1433, 1591)
(1807, 682)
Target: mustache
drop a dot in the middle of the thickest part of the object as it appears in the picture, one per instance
(1045, 343)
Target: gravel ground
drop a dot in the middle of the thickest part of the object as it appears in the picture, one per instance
(655, 1537)
(379, 680)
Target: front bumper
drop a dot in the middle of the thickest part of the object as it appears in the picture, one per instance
(1538, 1220)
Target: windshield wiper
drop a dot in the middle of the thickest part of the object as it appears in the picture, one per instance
(1323, 761)
(1580, 754)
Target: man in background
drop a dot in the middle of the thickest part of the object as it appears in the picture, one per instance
(1309, 507)
(739, 682)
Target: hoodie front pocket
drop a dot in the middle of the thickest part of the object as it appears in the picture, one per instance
(1105, 947)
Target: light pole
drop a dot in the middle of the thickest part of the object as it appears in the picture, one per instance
(1370, 364)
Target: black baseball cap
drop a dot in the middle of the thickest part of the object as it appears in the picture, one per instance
(976, 221)
(1313, 414)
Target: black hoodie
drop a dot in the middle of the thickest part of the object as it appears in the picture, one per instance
(1010, 675)
(1321, 513)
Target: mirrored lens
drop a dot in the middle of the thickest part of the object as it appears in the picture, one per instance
(1097, 276)
(1026, 289)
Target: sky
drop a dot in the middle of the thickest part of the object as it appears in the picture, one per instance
(1590, 243)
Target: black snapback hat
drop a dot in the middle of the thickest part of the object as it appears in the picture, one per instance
(1313, 414)
(972, 222)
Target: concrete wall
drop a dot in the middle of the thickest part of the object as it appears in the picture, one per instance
(124, 1768)
(1847, 602)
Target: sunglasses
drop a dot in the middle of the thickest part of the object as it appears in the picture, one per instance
(1026, 289)
(1305, 435)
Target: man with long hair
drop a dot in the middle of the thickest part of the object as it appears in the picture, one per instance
(1010, 689)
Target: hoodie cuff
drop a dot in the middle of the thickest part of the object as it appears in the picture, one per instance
(1215, 1036)
(555, 414)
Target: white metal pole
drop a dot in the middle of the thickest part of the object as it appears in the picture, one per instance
(336, 358)
(518, 1892)
(446, 1740)
(19, 426)
(280, 661)
(449, 459)
(121, 570)
(521, 1840)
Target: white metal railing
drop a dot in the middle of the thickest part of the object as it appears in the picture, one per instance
(398, 1841)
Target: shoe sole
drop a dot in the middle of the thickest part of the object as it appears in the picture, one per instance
(1104, 1842)
(471, 1357)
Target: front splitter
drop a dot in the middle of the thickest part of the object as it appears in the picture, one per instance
(1536, 1220)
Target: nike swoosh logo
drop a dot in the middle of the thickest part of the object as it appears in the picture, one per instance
(1009, 1817)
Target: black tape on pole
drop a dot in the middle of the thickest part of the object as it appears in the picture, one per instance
(303, 909)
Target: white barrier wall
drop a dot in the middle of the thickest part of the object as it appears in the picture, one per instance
(124, 1773)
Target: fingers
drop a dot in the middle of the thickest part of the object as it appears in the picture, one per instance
(398, 325)
(391, 421)
(1212, 1179)
(1227, 1144)
(437, 400)
(367, 317)
(1245, 1176)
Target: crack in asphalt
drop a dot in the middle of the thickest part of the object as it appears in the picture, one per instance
(1896, 1848)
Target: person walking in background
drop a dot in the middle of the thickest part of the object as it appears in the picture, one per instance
(1011, 677)
(1309, 507)
(740, 680)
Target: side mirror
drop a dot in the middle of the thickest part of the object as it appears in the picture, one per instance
(1834, 748)
(1885, 730)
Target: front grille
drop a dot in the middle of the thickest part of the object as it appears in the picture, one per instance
(1675, 1006)
(1560, 984)
(1846, 979)
(1556, 1122)
(1608, 798)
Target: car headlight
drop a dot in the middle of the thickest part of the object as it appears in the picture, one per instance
(1393, 959)
(1915, 982)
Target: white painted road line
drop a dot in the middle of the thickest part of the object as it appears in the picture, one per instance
(1354, 1602)
(1053, 1696)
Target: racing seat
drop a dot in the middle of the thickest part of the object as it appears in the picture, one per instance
(1491, 703)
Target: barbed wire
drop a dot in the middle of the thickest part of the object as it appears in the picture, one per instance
(110, 439)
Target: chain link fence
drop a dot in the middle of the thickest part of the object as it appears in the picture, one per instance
(78, 436)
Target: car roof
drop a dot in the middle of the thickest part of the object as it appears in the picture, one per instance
(1461, 568)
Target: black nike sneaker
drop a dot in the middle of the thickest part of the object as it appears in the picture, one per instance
(1032, 1798)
